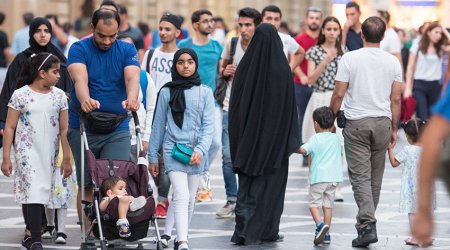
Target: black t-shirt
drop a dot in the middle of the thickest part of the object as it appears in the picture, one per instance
(354, 40)
(3, 45)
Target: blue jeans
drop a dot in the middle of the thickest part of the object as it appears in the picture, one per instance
(426, 94)
(302, 95)
(216, 140)
(227, 167)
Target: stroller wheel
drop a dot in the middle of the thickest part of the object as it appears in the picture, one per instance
(103, 245)
(159, 245)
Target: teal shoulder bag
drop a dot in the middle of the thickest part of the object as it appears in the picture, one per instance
(182, 153)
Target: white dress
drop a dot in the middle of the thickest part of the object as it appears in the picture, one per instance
(409, 160)
(36, 142)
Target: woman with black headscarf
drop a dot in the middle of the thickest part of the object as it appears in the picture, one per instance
(263, 134)
(183, 122)
(40, 36)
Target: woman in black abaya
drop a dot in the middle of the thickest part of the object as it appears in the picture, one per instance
(36, 46)
(263, 134)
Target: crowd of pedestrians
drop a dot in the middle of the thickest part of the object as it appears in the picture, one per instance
(332, 93)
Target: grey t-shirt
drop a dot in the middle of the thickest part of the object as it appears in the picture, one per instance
(136, 35)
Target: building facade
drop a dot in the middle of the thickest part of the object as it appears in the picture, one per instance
(405, 14)
(150, 11)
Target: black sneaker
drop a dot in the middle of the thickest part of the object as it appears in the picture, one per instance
(26, 241)
(175, 244)
(48, 232)
(36, 246)
(61, 238)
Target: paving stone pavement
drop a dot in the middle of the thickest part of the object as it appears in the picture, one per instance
(208, 232)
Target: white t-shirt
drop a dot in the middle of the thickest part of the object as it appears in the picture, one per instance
(160, 65)
(391, 42)
(290, 46)
(238, 54)
(428, 67)
(370, 73)
(145, 114)
(71, 40)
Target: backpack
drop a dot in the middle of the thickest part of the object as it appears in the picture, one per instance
(222, 81)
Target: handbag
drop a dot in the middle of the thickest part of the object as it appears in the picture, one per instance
(408, 108)
(341, 120)
(103, 122)
(181, 152)
(222, 81)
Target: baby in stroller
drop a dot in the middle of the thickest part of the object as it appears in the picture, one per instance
(115, 187)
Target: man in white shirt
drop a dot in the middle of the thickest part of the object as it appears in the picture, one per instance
(293, 51)
(248, 19)
(369, 80)
(158, 62)
(391, 42)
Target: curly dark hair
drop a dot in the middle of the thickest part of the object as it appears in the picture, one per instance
(413, 129)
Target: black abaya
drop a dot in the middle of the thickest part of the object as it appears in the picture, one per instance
(64, 83)
(263, 133)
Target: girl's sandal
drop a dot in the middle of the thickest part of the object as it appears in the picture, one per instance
(410, 241)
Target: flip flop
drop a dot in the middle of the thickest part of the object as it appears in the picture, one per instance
(411, 242)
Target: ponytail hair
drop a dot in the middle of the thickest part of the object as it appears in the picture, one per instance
(32, 66)
(413, 128)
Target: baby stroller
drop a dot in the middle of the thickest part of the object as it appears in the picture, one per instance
(104, 225)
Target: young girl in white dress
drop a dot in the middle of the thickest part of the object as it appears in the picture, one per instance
(408, 158)
(37, 120)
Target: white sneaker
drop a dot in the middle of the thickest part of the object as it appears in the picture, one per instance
(137, 203)
(61, 238)
(226, 211)
(165, 240)
(48, 232)
(338, 197)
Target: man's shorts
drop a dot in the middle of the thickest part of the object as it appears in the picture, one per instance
(322, 194)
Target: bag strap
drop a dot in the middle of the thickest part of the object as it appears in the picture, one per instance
(233, 45)
(198, 111)
(149, 58)
(144, 83)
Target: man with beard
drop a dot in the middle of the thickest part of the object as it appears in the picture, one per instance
(105, 72)
(293, 52)
(209, 52)
(307, 39)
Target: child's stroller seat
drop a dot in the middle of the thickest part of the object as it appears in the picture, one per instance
(137, 178)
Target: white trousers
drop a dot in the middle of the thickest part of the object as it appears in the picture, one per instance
(184, 191)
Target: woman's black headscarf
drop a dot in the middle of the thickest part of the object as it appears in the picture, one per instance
(35, 47)
(178, 84)
(263, 123)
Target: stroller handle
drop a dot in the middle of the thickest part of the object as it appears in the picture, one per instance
(135, 118)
